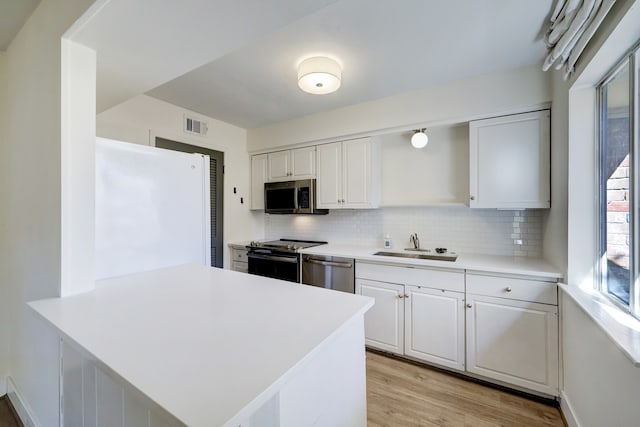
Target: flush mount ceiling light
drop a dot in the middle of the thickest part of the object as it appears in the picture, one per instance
(319, 75)
(419, 138)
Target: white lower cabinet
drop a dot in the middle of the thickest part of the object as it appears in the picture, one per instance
(495, 327)
(513, 341)
(239, 260)
(421, 322)
(384, 322)
(434, 326)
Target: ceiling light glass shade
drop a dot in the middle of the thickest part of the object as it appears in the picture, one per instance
(419, 139)
(319, 75)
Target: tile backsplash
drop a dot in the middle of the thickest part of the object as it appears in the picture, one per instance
(486, 231)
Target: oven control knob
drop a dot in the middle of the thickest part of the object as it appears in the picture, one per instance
(290, 247)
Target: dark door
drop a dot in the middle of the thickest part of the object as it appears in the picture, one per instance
(216, 162)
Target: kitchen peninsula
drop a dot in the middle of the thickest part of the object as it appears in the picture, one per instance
(200, 346)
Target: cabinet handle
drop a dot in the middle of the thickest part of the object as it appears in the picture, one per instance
(508, 289)
(469, 306)
(406, 295)
(472, 198)
(400, 296)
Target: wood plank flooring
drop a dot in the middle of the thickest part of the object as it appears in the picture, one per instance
(402, 394)
(7, 418)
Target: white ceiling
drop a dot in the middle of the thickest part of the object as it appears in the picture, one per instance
(13, 14)
(236, 60)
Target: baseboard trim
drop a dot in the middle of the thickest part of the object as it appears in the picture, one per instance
(21, 407)
(567, 411)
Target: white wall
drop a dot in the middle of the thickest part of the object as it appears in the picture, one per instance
(600, 384)
(437, 173)
(554, 235)
(4, 285)
(77, 159)
(31, 162)
(132, 121)
(453, 102)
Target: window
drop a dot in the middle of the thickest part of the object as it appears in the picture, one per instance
(619, 219)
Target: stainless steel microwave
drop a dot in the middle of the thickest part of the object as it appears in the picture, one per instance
(291, 197)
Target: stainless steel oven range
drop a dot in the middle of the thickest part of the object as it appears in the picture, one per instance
(278, 259)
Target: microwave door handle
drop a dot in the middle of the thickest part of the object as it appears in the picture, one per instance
(296, 206)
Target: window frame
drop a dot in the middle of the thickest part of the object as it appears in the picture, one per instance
(631, 60)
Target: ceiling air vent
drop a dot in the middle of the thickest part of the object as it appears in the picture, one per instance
(195, 126)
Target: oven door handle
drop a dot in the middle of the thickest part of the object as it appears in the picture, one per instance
(291, 260)
(329, 263)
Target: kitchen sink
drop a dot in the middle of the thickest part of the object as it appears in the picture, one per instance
(434, 257)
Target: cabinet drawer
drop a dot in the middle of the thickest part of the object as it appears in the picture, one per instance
(518, 289)
(449, 280)
(242, 267)
(239, 255)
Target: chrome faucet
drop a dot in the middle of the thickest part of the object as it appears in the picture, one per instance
(414, 239)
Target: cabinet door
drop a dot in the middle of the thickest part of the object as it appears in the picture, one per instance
(279, 166)
(434, 326)
(303, 163)
(356, 167)
(258, 178)
(513, 341)
(510, 161)
(383, 323)
(329, 181)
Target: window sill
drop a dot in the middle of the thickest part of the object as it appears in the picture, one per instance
(622, 328)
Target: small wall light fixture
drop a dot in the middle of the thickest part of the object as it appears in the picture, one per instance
(319, 75)
(419, 138)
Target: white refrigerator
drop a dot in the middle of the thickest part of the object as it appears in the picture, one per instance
(152, 208)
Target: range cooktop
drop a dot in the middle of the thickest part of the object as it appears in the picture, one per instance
(290, 245)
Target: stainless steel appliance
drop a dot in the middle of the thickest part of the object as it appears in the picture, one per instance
(278, 259)
(291, 197)
(329, 272)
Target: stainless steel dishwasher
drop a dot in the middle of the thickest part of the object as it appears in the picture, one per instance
(329, 272)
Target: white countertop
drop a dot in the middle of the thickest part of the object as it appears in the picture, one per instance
(239, 245)
(208, 345)
(526, 266)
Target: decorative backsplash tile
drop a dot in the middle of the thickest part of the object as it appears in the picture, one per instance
(487, 231)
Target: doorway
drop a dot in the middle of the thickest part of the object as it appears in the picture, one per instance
(216, 176)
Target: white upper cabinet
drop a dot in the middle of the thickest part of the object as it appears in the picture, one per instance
(259, 167)
(303, 163)
(510, 165)
(348, 174)
(329, 184)
(292, 164)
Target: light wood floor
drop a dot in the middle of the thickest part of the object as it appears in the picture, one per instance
(404, 394)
